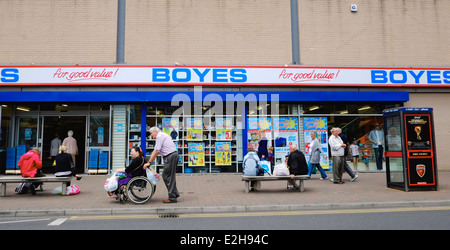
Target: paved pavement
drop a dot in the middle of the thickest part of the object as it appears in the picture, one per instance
(208, 193)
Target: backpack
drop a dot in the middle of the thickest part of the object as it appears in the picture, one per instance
(260, 171)
(23, 187)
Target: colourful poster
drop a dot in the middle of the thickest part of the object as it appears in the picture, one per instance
(285, 131)
(224, 128)
(280, 155)
(171, 127)
(194, 127)
(286, 134)
(196, 154)
(254, 125)
(319, 125)
(223, 153)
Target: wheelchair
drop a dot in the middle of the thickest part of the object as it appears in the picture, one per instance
(138, 190)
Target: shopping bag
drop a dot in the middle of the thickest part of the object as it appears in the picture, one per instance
(72, 190)
(23, 187)
(120, 175)
(152, 176)
(57, 190)
(281, 170)
(266, 166)
(111, 183)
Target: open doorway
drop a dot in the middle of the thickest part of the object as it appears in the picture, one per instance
(58, 126)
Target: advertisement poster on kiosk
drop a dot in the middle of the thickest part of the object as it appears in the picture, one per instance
(410, 150)
(419, 149)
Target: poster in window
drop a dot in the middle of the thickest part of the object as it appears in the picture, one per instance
(286, 134)
(223, 153)
(194, 127)
(224, 128)
(319, 125)
(196, 154)
(171, 127)
(254, 125)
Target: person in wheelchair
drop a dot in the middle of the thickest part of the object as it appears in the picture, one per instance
(134, 169)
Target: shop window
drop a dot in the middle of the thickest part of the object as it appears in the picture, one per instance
(99, 131)
(26, 107)
(344, 108)
(6, 111)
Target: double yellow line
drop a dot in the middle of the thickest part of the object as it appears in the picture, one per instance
(252, 214)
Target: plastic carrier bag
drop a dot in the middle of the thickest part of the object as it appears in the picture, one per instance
(281, 170)
(152, 175)
(111, 183)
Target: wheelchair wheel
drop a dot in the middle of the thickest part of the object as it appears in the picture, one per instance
(139, 189)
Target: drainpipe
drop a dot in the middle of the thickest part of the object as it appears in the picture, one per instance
(120, 50)
(295, 33)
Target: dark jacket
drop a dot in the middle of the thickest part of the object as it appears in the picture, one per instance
(297, 163)
(64, 162)
(136, 167)
(345, 141)
(262, 149)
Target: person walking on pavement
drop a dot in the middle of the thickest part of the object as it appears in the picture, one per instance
(347, 168)
(297, 164)
(165, 147)
(314, 151)
(54, 147)
(71, 145)
(337, 153)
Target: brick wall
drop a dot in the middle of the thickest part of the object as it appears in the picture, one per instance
(58, 32)
(381, 32)
(440, 103)
(208, 32)
(226, 32)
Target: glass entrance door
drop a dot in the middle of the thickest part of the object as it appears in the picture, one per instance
(98, 144)
(27, 137)
(55, 130)
(27, 132)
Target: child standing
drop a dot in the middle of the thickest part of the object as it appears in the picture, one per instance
(271, 157)
(366, 156)
(355, 153)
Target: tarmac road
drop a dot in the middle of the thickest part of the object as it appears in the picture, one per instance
(218, 193)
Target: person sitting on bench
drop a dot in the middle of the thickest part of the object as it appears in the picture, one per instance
(251, 166)
(297, 164)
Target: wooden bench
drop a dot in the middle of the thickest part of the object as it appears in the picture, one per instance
(19, 179)
(301, 178)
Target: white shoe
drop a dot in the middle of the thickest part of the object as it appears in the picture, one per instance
(354, 178)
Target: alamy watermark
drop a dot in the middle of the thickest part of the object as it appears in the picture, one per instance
(235, 105)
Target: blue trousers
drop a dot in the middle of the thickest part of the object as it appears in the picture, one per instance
(317, 165)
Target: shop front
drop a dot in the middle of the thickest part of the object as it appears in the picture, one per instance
(46, 125)
(213, 114)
